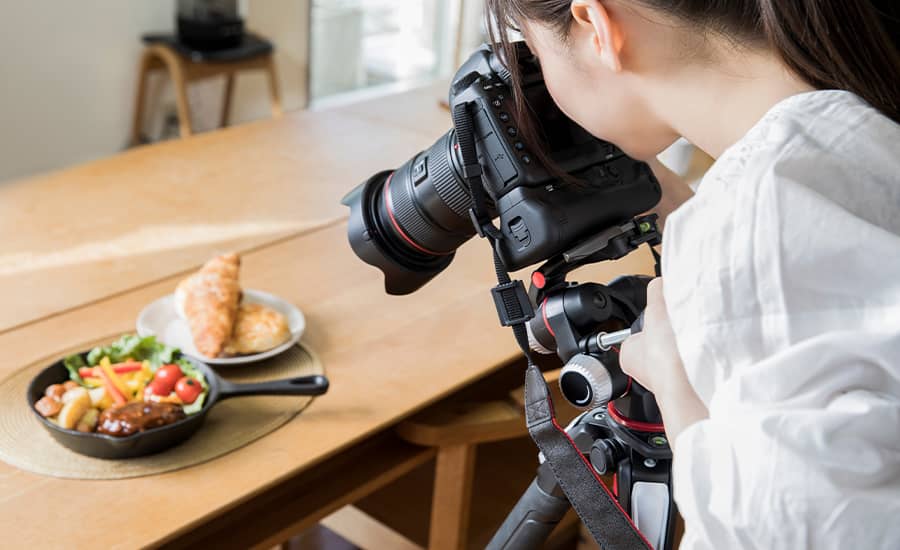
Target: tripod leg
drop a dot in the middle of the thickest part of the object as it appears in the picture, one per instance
(652, 509)
(537, 513)
(646, 492)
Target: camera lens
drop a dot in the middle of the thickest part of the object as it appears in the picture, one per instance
(409, 222)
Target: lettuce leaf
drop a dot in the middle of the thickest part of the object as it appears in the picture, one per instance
(72, 364)
(189, 369)
(137, 348)
(196, 406)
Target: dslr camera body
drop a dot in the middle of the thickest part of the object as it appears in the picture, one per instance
(409, 222)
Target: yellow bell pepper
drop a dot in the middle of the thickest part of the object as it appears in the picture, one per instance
(116, 388)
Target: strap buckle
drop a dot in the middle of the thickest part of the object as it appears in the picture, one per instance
(513, 305)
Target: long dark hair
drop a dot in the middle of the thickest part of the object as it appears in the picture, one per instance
(849, 45)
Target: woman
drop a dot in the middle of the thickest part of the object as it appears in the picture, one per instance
(773, 345)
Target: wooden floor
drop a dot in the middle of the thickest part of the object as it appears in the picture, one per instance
(319, 538)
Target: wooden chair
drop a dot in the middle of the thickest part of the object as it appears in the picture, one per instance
(184, 67)
(454, 430)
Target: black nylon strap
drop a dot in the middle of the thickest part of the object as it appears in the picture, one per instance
(599, 511)
(657, 268)
(465, 137)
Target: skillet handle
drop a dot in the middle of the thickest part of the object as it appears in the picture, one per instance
(304, 385)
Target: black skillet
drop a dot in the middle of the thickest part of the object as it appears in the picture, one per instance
(159, 439)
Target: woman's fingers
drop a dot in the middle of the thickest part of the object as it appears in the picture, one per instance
(656, 303)
(631, 356)
(639, 354)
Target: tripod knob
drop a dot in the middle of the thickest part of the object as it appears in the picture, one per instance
(585, 382)
(606, 455)
(537, 341)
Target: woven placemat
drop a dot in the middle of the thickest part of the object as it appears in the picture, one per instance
(229, 425)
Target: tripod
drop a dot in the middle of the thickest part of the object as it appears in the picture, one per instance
(621, 433)
(641, 461)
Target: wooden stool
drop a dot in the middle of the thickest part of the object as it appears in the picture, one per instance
(164, 54)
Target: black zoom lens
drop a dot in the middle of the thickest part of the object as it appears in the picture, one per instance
(409, 223)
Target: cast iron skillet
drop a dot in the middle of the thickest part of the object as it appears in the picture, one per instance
(158, 439)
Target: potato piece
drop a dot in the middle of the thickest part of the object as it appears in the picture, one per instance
(74, 408)
(70, 385)
(105, 403)
(88, 422)
(73, 393)
(97, 395)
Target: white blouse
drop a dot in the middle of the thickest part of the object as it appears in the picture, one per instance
(783, 286)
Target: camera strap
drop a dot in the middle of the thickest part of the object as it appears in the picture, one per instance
(597, 507)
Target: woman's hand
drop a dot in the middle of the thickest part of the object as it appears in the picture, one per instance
(651, 357)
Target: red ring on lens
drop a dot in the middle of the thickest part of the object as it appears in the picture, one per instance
(407, 238)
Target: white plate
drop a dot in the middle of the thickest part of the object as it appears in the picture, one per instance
(161, 319)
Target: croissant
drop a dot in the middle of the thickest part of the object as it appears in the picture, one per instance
(257, 328)
(209, 300)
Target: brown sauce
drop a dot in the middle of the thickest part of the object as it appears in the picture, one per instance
(137, 417)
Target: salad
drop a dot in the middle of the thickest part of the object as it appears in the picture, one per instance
(131, 385)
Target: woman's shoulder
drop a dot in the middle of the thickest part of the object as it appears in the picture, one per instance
(793, 233)
(813, 153)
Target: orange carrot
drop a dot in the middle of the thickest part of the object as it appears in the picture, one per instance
(107, 374)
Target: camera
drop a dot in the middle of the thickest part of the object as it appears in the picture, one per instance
(410, 221)
(566, 199)
(563, 198)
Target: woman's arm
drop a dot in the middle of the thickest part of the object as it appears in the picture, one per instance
(651, 357)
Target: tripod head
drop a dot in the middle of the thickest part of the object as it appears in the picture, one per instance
(621, 432)
(570, 318)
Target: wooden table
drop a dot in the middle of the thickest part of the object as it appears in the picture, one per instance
(387, 357)
(75, 236)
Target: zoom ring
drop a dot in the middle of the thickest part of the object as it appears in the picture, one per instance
(449, 187)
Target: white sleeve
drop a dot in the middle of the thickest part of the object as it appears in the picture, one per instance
(790, 333)
(782, 474)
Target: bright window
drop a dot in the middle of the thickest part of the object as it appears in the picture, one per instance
(370, 44)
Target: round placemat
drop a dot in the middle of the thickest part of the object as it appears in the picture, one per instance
(229, 425)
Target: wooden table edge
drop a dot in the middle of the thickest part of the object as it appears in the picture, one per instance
(249, 250)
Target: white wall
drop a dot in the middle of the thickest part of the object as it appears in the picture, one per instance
(69, 72)
(286, 23)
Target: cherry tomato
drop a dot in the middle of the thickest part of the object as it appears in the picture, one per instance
(165, 379)
(188, 389)
(159, 387)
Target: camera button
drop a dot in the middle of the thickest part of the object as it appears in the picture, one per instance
(512, 131)
(504, 117)
(497, 103)
(420, 170)
(526, 159)
(519, 146)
